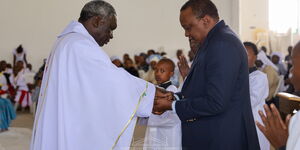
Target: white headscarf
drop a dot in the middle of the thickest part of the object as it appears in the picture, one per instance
(154, 57)
(113, 58)
(279, 54)
(263, 57)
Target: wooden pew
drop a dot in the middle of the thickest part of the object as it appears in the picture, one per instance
(288, 103)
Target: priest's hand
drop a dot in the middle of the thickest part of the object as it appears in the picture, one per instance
(163, 94)
(161, 105)
(163, 101)
(275, 129)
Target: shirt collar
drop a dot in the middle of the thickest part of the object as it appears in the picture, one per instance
(165, 85)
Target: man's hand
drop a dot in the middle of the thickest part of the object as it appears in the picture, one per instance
(161, 105)
(183, 66)
(275, 130)
(161, 93)
(163, 101)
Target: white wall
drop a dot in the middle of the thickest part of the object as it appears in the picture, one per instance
(254, 16)
(142, 24)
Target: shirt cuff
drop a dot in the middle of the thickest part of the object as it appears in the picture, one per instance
(176, 97)
(282, 148)
(173, 106)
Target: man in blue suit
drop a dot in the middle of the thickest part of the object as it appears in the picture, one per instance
(214, 105)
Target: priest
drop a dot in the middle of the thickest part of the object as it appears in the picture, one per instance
(86, 102)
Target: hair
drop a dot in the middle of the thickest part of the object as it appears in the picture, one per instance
(2, 61)
(200, 8)
(163, 53)
(9, 66)
(128, 60)
(151, 50)
(19, 49)
(169, 62)
(252, 46)
(290, 48)
(264, 48)
(96, 8)
(3, 64)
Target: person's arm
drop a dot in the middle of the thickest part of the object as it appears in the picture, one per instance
(222, 71)
(168, 118)
(223, 68)
(259, 90)
(25, 59)
(147, 102)
(14, 63)
(282, 148)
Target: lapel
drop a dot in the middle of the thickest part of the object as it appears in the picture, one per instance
(200, 55)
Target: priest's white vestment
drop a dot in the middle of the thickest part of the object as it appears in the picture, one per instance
(86, 102)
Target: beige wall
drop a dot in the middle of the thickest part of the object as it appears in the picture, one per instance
(142, 24)
(254, 16)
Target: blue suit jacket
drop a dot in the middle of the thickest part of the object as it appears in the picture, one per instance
(215, 110)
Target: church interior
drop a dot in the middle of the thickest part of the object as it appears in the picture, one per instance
(147, 31)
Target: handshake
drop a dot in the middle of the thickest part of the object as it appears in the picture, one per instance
(162, 101)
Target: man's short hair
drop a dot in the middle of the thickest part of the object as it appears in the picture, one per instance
(96, 8)
(252, 46)
(200, 8)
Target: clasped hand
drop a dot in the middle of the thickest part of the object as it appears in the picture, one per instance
(162, 101)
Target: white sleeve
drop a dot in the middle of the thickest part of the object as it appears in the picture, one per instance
(146, 105)
(142, 121)
(167, 119)
(172, 88)
(293, 142)
(21, 81)
(259, 89)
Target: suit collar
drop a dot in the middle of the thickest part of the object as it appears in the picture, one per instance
(202, 49)
(218, 25)
(210, 34)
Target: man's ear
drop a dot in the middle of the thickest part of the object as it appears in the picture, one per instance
(97, 21)
(172, 73)
(206, 20)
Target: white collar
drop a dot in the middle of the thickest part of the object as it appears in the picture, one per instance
(77, 27)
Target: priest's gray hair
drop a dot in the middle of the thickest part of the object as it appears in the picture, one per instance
(96, 8)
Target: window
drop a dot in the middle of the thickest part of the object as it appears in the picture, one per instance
(284, 15)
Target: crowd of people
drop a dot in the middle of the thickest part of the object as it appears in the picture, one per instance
(144, 65)
(268, 75)
(19, 87)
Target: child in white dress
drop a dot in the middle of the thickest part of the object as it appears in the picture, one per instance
(164, 131)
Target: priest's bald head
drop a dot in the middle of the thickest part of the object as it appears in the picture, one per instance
(99, 19)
